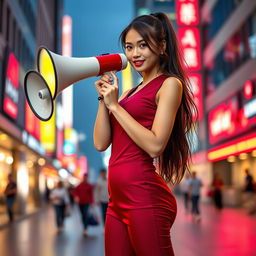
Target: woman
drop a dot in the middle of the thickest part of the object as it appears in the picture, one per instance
(217, 186)
(150, 121)
(60, 199)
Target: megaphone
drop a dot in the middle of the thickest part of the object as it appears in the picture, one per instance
(56, 72)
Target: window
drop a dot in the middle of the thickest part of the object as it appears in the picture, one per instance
(7, 25)
(1, 15)
(239, 48)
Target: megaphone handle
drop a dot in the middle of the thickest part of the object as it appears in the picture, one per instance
(109, 74)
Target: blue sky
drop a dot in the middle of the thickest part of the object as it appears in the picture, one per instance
(97, 25)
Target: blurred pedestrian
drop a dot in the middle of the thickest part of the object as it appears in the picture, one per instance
(249, 192)
(149, 121)
(101, 192)
(10, 193)
(70, 194)
(60, 200)
(185, 188)
(83, 196)
(217, 187)
(195, 187)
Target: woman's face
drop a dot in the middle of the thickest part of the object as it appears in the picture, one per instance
(139, 54)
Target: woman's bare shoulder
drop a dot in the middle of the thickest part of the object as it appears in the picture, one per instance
(172, 81)
(172, 87)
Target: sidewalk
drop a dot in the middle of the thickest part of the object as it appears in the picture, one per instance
(230, 232)
(37, 236)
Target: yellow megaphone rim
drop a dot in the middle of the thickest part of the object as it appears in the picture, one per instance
(47, 69)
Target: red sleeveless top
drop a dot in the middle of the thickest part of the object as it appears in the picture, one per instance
(133, 182)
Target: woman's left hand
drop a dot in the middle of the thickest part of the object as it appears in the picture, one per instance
(110, 92)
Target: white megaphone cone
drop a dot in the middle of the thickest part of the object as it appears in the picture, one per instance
(57, 72)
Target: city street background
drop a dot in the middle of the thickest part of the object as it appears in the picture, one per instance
(218, 42)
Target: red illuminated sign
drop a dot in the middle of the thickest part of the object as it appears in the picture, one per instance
(242, 145)
(190, 43)
(228, 120)
(196, 84)
(187, 12)
(189, 39)
(248, 89)
(222, 121)
(11, 95)
(32, 124)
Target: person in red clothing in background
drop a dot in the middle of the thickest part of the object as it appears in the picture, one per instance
(217, 185)
(83, 195)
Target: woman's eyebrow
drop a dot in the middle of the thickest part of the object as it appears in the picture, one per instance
(142, 40)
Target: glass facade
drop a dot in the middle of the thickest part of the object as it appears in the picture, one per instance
(239, 48)
(220, 13)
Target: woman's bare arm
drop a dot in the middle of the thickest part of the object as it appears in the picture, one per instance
(152, 141)
(102, 127)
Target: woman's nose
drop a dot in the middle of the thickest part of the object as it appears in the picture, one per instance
(136, 52)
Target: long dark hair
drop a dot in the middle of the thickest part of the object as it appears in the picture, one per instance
(155, 28)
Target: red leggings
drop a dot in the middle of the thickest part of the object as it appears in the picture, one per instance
(147, 234)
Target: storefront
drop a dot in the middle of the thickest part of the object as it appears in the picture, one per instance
(232, 139)
(21, 153)
(6, 160)
(25, 165)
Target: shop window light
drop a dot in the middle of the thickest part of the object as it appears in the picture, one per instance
(2, 156)
(9, 160)
(41, 161)
(3, 137)
(243, 156)
(30, 164)
(231, 159)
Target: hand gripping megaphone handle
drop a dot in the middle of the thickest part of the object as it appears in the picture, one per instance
(107, 73)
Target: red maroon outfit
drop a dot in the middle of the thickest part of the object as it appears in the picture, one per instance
(142, 208)
(84, 191)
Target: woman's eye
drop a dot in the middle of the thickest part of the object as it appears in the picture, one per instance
(143, 45)
(128, 47)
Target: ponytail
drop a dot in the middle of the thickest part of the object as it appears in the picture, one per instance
(155, 28)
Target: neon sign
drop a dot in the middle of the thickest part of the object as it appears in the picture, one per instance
(248, 89)
(235, 147)
(228, 120)
(189, 39)
(190, 44)
(187, 12)
(222, 121)
(250, 108)
(11, 96)
(196, 83)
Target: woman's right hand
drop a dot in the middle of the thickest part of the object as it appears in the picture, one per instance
(103, 79)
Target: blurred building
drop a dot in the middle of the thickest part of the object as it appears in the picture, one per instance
(24, 26)
(150, 6)
(218, 39)
(229, 61)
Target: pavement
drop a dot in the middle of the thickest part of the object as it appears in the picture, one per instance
(229, 232)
